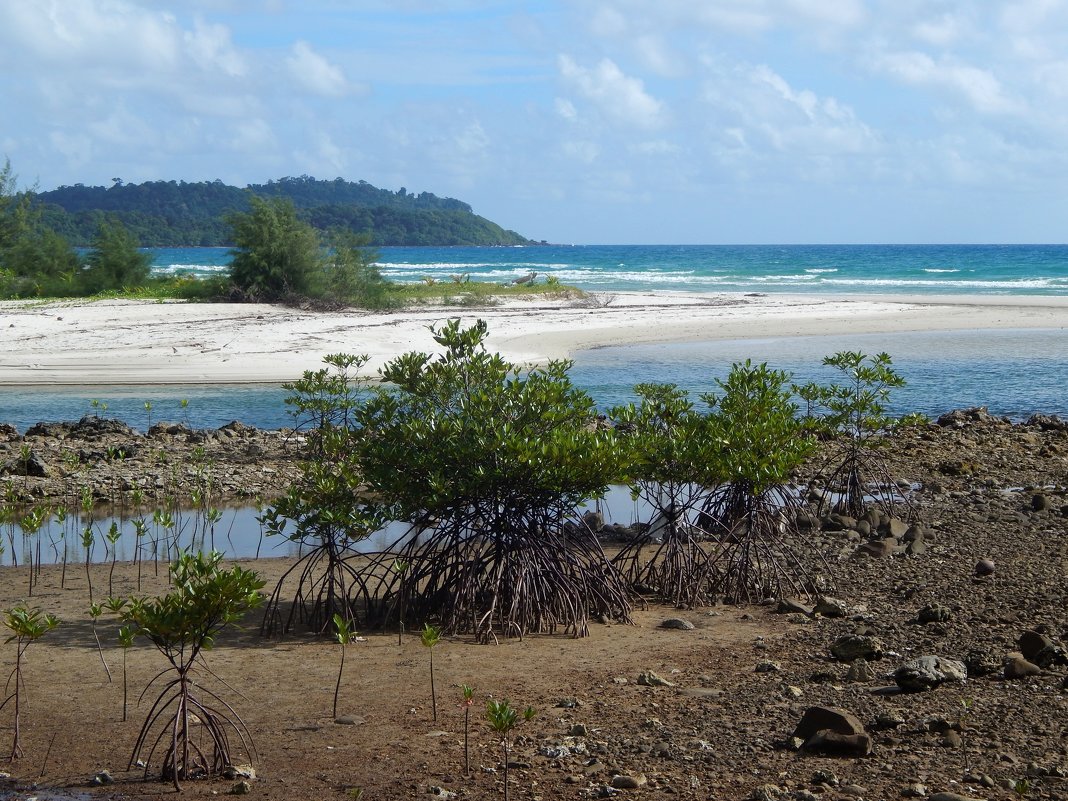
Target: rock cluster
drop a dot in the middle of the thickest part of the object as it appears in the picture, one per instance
(118, 464)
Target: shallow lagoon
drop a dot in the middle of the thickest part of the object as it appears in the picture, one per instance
(1013, 372)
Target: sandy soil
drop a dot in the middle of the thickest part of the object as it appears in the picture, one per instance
(283, 690)
(123, 342)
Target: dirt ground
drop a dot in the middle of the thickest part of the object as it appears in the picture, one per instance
(72, 724)
(743, 676)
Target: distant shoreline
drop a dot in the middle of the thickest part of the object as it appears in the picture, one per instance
(116, 342)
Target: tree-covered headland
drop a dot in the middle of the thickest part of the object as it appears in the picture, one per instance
(295, 238)
(177, 213)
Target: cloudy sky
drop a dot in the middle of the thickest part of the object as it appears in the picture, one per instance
(593, 121)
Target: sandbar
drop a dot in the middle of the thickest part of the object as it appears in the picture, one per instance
(78, 342)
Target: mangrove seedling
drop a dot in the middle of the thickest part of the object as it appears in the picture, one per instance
(31, 524)
(115, 606)
(140, 529)
(88, 536)
(856, 414)
(126, 640)
(466, 704)
(503, 717)
(114, 534)
(327, 510)
(148, 411)
(95, 611)
(430, 637)
(963, 715)
(398, 568)
(26, 625)
(343, 633)
(183, 624)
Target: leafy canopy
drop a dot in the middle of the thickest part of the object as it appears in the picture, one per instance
(205, 599)
(857, 407)
(755, 424)
(471, 428)
(667, 442)
(115, 260)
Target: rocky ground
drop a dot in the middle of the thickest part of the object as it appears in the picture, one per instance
(54, 462)
(641, 711)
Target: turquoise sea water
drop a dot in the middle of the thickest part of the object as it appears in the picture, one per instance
(864, 269)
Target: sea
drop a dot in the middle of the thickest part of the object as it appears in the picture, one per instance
(1015, 373)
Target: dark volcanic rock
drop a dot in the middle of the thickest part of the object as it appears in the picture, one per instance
(830, 730)
(1016, 667)
(1041, 650)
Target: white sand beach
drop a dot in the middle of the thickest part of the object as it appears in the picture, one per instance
(75, 342)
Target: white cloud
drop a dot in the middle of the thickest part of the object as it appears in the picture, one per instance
(252, 135)
(839, 13)
(92, 33)
(660, 56)
(76, 148)
(211, 49)
(314, 72)
(616, 95)
(941, 31)
(327, 158)
(749, 109)
(566, 109)
(581, 150)
(120, 127)
(979, 87)
(471, 140)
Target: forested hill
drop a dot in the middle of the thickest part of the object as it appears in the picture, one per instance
(176, 213)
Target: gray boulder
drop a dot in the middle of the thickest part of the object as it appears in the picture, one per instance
(927, 672)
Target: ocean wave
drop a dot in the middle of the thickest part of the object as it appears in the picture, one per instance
(817, 270)
(467, 266)
(174, 269)
(1013, 284)
(941, 269)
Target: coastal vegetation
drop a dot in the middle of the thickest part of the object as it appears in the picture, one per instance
(491, 531)
(854, 417)
(497, 461)
(26, 626)
(294, 240)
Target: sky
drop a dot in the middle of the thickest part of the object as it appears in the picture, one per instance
(574, 121)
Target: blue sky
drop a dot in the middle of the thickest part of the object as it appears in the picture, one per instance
(592, 121)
